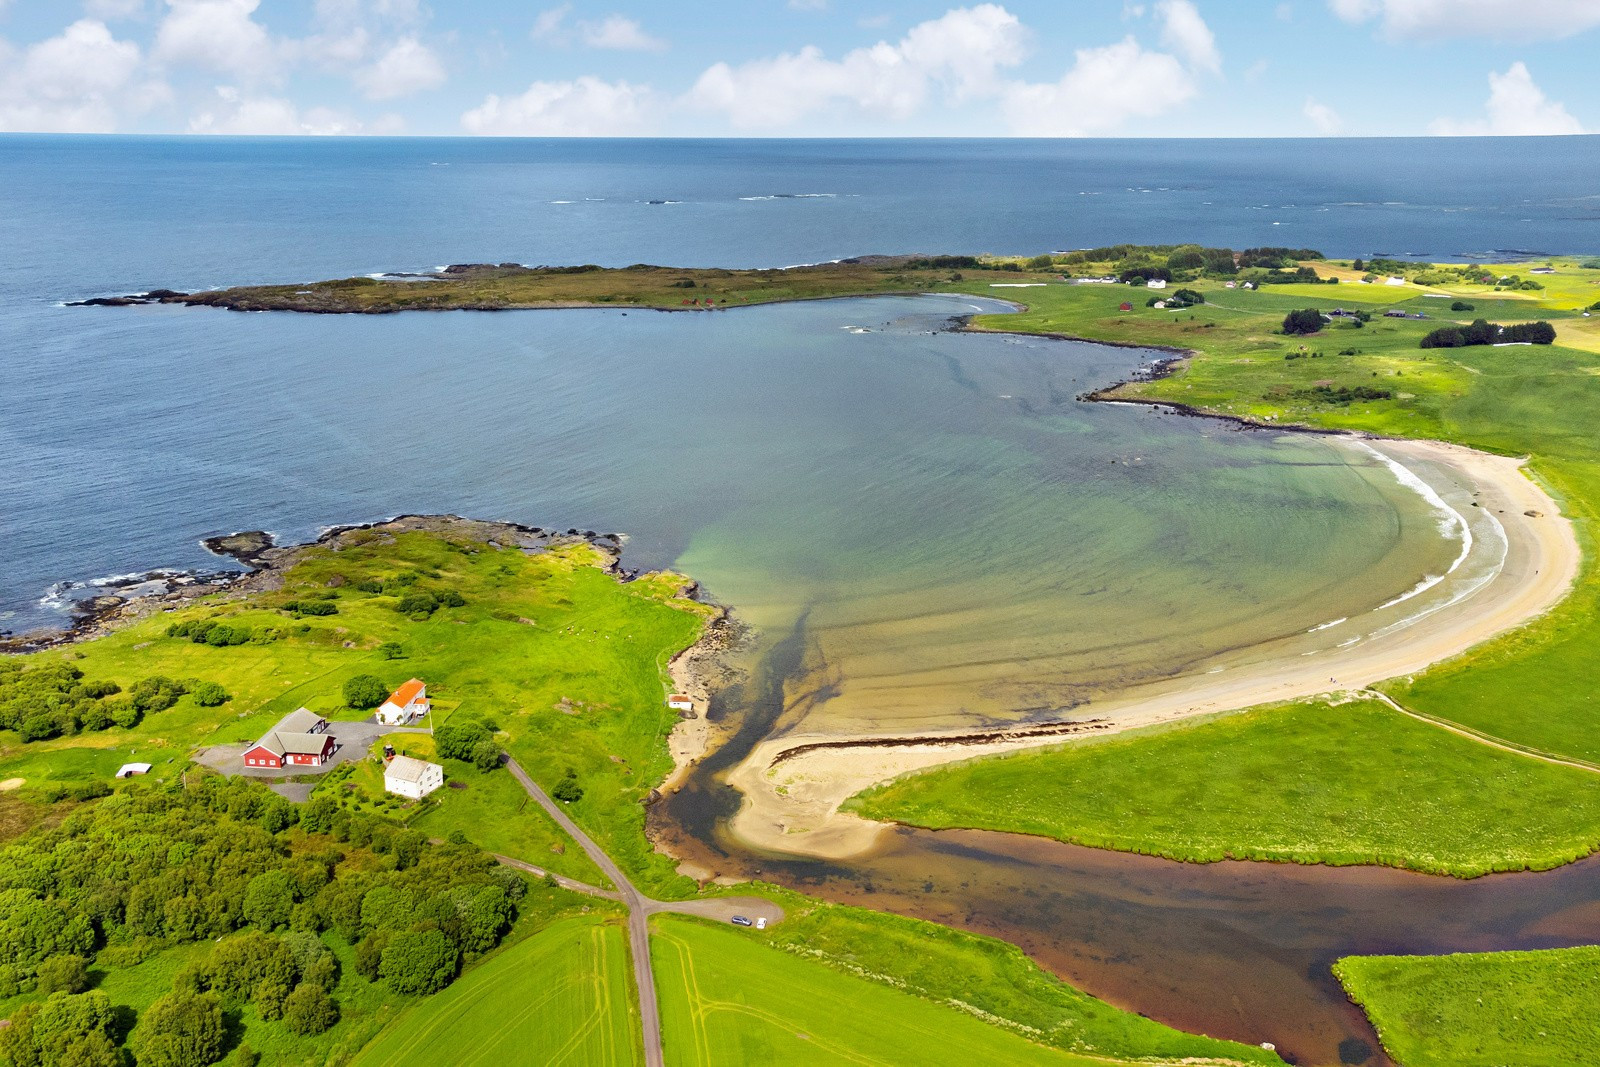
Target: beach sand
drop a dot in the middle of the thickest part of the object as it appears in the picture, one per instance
(791, 804)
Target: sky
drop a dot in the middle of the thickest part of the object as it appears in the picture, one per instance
(802, 68)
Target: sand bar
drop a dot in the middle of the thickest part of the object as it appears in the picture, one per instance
(791, 803)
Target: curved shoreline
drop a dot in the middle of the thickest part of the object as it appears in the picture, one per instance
(793, 786)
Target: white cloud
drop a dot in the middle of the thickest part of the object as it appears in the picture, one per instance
(1324, 118)
(585, 107)
(217, 35)
(808, 5)
(619, 33)
(75, 82)
(261, 116)
(548, 25)
(963, 51)
(1184, 31)
(614, 32)
(1105, 87)
(1500, 20)
(110, 10)
(1517, 107)
(409, 66)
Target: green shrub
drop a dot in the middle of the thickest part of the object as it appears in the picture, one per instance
(568, 791)
(415, 604)
(210, 695)
(63, 974)
(392, 650)
(364, 691)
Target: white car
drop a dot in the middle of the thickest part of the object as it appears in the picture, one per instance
(761, 922)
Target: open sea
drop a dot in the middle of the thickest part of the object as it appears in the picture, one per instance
(932, 519)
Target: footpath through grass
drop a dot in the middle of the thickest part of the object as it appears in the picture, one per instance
(1340, 784)
(562, 996)
(832, 982)
(1489, 1009)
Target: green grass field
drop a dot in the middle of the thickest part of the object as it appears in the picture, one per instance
(562, 996)
(844, 953)
(727, 998)
(567, 662)
(1311, 783)
(1490, 1009)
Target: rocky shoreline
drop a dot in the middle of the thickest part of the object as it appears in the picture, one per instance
(265, 560)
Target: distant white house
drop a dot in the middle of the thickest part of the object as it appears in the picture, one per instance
(1394, 281)
(405, 705)
(414, 778)
(128, 770)
(1542, 270)
(1230, 285)
(679, 702)
(1155, 283)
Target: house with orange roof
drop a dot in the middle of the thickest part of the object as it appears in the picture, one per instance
(405, 705)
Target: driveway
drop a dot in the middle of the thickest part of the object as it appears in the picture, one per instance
(352, 740)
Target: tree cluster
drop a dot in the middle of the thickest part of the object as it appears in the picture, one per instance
(224, 859)
(1302, 322)
(54, 700)
(469, 741)
(221, 634)
(1483, 332)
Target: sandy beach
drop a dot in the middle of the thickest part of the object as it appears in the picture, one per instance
(791, 799)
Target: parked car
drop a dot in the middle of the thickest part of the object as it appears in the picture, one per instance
(761, 923)
(740, 920)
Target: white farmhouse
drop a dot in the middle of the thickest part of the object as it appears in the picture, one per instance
(414, 778)
(405, 705)
(679, 702)
(1156, 283)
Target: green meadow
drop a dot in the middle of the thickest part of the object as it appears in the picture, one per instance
(1489, 1009)
(849, 978)
(1352, 783)
(562, 659)
(561, 996)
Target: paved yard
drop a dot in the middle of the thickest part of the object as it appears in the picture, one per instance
(352, 740)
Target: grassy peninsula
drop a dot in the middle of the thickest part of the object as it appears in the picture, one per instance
(511, 286)
(1353, 783)
(1484, 1009)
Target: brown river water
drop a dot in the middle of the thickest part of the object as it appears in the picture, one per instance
(1237, 950)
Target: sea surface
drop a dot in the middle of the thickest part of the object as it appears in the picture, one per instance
(921, 526)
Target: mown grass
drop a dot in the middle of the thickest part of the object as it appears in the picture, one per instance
(566, 661)
(729, 999)
(844, 953)
(1490, 1009)
(561, 996)
(1354, 783)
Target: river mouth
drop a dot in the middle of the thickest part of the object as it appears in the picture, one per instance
(1232, 950)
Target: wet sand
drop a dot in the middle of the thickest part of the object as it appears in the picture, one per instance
(791, 803)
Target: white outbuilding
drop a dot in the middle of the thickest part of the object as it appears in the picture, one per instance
(679, 702)
(414, 778)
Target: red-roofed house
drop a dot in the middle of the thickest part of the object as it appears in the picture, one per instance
(300, 739)
(405, 705)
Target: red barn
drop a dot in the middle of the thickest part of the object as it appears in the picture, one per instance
(300, 739)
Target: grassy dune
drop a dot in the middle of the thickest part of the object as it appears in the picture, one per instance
(1309, 783)
(562, 996)
(1492, 1009)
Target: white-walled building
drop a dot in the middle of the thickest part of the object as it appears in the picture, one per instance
(679, 702)
(405, 705)
(414, 778)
